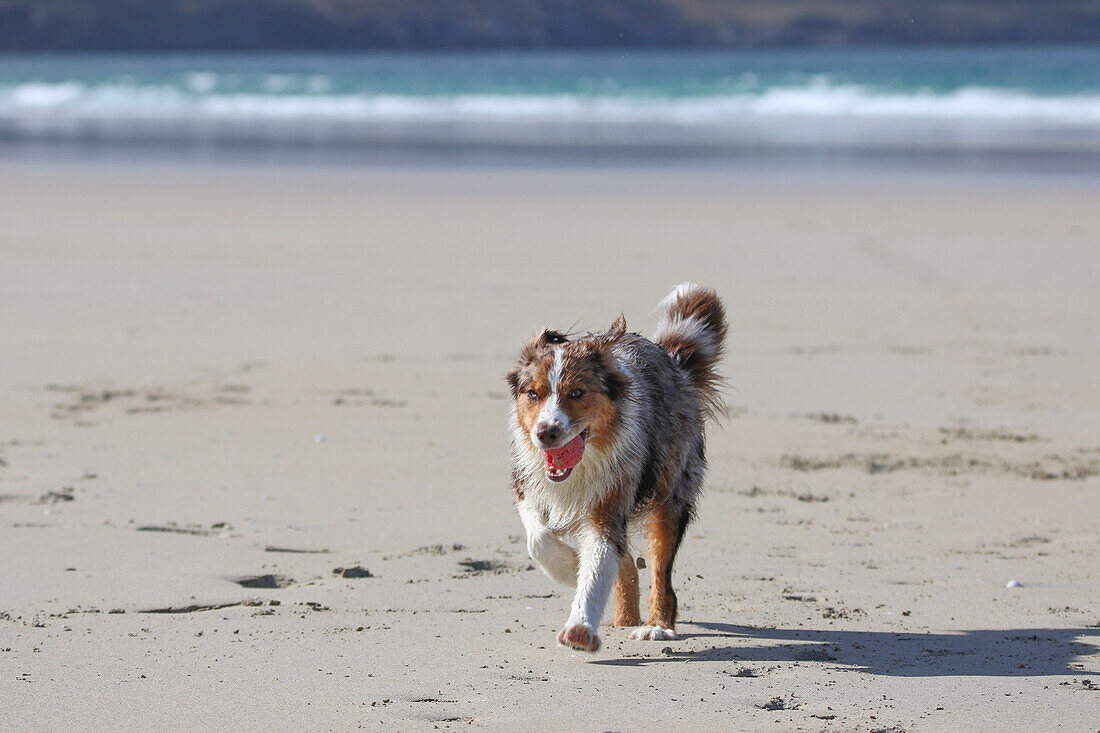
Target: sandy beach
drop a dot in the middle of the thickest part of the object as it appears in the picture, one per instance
(253, 450)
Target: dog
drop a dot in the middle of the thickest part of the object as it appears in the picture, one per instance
(608, 438)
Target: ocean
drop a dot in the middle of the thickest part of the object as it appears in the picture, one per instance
(945, 102)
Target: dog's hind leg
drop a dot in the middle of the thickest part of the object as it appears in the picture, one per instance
(626, 593)
(665, 526)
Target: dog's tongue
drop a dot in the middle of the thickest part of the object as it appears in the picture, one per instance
(567, 456)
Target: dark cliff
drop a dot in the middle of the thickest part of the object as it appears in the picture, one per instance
(133, 25)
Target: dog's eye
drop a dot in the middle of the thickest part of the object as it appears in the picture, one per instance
(532, 394)
(576, 394)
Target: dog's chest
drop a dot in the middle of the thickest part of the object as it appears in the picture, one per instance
(568, 505)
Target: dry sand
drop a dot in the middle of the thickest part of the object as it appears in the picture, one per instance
(220, 386)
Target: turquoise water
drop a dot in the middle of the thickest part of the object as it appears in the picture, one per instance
(938, 98)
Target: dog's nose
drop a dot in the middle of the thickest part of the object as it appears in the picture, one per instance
(548, 433)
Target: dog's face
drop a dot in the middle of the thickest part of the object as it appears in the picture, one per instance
(565, 393)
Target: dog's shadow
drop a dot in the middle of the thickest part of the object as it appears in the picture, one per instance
(983, 652)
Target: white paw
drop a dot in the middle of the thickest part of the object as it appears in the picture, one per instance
(581, 637)
(556, 559)
(652, 633)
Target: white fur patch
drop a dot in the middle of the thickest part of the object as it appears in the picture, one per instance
(681, 289)
(652, 633)
(599, 564)
(557, 559)
(688, 329)
(555, 369)
(551, 412)
(585, 627)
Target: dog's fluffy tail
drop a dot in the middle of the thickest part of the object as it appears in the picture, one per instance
(693, 332)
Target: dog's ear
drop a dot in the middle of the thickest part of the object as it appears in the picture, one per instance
(611, 335)
(612, 378)
(618, 329)
(538, 342)
(550, 336)
(611, 375)
(530, 352)
(513, 380)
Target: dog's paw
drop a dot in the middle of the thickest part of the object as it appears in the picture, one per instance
(652, 633)
(580, 637)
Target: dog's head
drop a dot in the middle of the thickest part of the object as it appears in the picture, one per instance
(566, 393)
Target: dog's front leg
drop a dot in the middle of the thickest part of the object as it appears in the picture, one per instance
(555, 557)
(599, 564)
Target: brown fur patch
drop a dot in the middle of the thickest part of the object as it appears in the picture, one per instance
(626, 594)
(609, 516)
(702, 304)
(532, 390)
(583, 370)
(664, 534)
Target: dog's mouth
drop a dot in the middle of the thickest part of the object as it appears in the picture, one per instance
(560, 462)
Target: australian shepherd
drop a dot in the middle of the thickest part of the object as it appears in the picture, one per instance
(608, 437)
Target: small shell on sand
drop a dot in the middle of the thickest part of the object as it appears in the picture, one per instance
(1014, 584)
